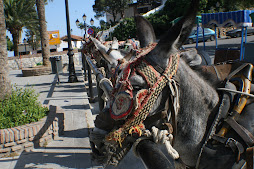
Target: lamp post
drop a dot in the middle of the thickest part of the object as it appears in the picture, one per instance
(25, 41)
(84, 26)
(92, 22)
(72, 74)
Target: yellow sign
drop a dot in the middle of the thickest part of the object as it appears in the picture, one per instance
(54, 37)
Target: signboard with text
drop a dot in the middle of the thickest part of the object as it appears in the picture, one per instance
(54, 37)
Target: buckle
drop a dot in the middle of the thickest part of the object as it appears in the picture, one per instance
(230, 140)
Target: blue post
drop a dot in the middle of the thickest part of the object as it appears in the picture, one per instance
(243, 41)
(216, 42)
(204, 37)
(197, 37)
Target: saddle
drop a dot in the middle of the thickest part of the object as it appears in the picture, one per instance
(236, 75)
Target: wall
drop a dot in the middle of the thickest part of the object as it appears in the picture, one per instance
(60, 47)
(36, 134)
(25, 61)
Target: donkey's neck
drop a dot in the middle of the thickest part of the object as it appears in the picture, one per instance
(197, 100)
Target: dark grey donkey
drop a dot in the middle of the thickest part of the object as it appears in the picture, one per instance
(197, 118)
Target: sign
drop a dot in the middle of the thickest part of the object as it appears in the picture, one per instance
(54, 37)
(90, 31)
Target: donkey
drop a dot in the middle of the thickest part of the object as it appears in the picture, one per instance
(196, 119)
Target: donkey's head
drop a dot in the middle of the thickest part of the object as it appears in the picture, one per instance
(168, 45)
(140, 88)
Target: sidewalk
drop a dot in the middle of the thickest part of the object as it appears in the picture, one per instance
(71, 150)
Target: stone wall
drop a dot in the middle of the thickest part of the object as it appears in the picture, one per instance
(27, 61)
(36, 134)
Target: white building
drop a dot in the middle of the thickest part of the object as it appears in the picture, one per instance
(139, 7)
(76, 41)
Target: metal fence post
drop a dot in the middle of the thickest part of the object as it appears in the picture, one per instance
(90, 84)
(100, 93)
(84, 64)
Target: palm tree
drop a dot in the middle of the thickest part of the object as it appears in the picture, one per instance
(43, 32)
(19, 14)
(5, 85)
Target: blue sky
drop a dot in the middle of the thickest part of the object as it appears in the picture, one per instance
(56, 16)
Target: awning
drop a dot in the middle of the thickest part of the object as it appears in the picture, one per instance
(252, 17)
(224, 19)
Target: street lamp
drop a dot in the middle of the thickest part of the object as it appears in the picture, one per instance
(92, 21)
(84, 26)
(25, 41)
(72, 74)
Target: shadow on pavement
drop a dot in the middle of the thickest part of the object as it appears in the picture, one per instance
(82, 107)
(79, 133)
(54, 160)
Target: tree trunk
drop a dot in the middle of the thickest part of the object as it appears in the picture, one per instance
(43, 32)
(15, 39)
(5, 85)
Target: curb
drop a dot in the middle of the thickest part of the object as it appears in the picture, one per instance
(36, 134)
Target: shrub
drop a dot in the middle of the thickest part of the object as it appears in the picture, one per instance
(21, 107)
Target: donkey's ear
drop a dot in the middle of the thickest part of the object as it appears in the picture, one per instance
(178, 34)
(145, 32)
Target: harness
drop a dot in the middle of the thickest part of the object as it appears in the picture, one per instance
(144, 99)
(241, 77)
(133, 111)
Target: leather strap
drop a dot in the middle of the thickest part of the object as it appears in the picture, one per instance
(217, 72)
(174, 120)
(232, 143)
(236, 71)
(249, 158)
(241, 131)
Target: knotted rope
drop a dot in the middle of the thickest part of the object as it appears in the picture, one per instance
(159, 136)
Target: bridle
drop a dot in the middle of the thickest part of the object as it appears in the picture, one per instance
(140, 106)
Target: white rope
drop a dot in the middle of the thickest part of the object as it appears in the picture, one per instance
(175, 93)
(163, 137)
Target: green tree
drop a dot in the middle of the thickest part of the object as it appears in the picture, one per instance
(113, 7)
(125, 30)
(40, 4)
(9, 44)
(104, 25)
(19, 14)
(33, 37)
(226, 6)
(5, 85)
